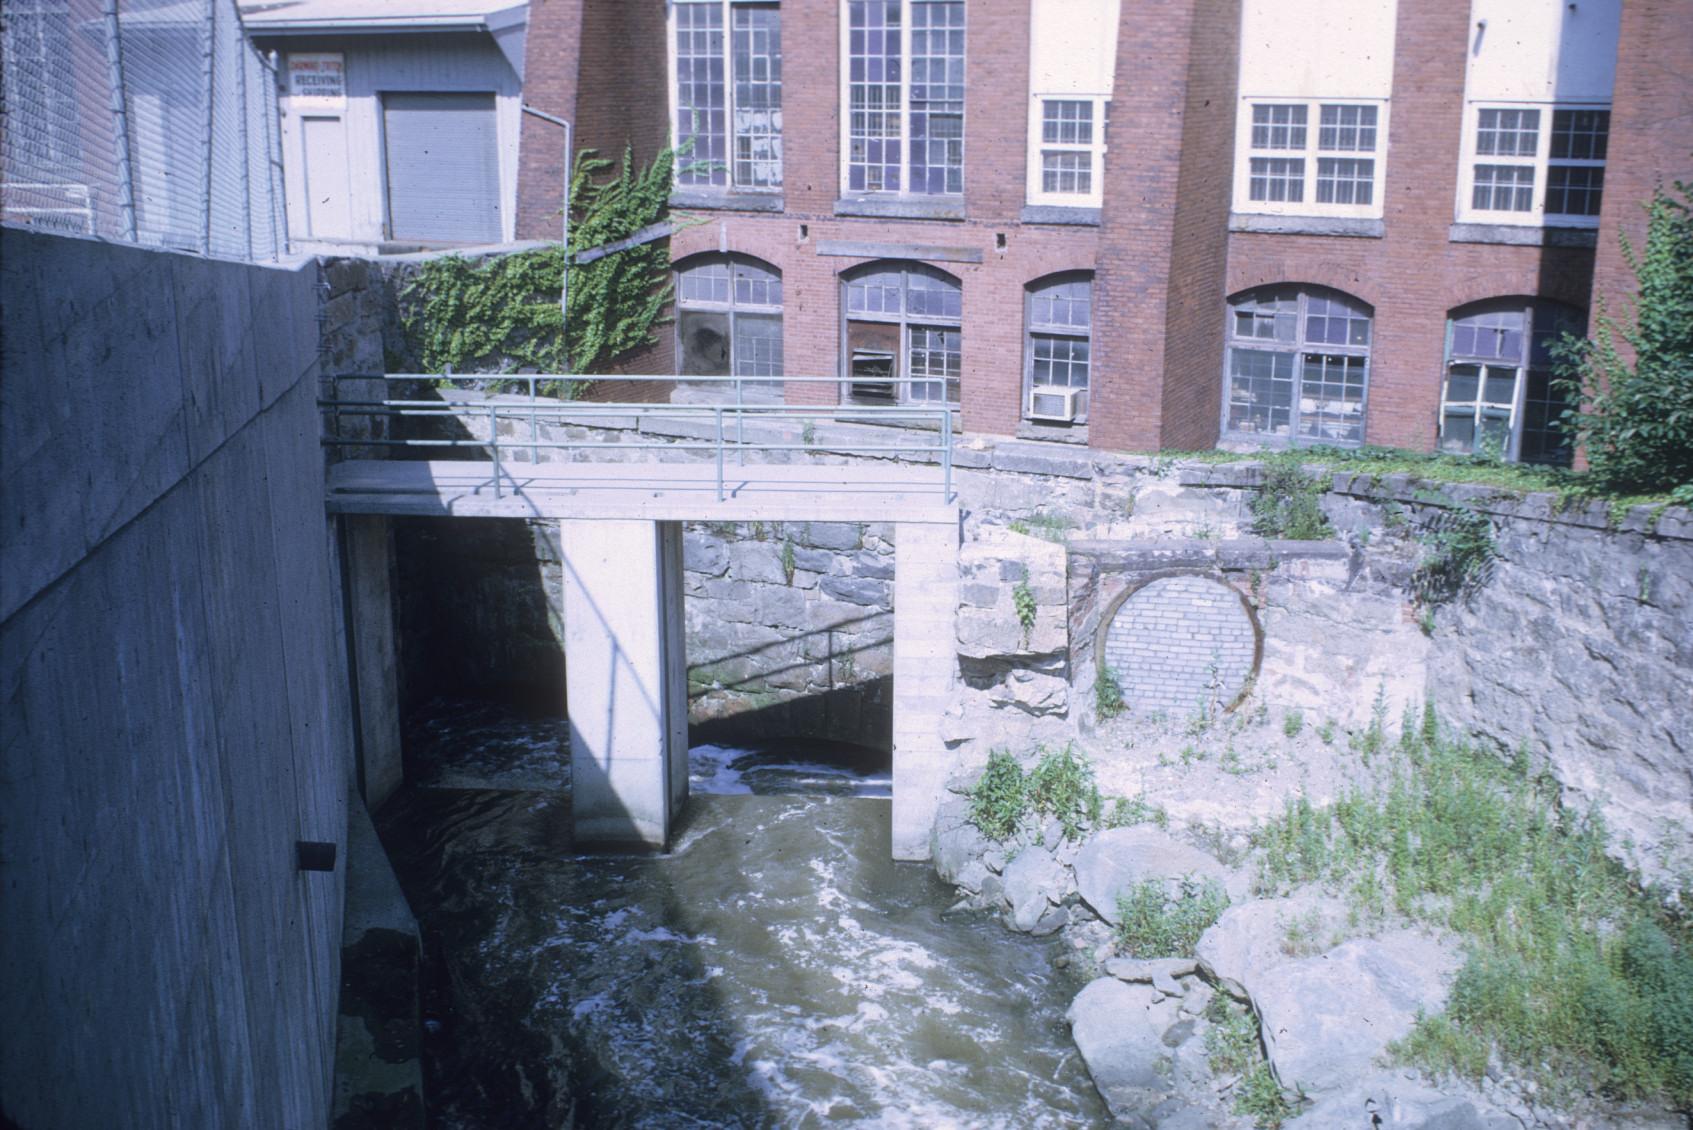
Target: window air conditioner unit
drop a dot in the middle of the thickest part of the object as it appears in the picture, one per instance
(1056, 402)
(867, 366)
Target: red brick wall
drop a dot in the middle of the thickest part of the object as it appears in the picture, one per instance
(549, 85)
(1651, 134)
(1414, 275)
(1142, 169)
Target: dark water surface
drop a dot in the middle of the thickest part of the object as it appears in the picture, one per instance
(775, 969)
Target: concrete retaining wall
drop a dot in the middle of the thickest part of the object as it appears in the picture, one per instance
(173, 708)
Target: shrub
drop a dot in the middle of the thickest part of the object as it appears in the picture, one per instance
(1152, 924)
(1458, 553)
(1023, 599)
(1289, 505)
(1061, 785)
(998, 800)
(1635, 422)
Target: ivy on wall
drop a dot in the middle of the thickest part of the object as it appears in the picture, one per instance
(501, 314)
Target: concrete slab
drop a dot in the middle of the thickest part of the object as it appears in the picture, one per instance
(648, 490)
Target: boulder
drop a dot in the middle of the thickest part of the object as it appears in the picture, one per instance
(954, 842)
(1159, 972)
(1031, 691)
(1119, 1031)
(1033, 882)
(1392, 1102)
(1247, 941)
(1120, 858)
(1326, 1019)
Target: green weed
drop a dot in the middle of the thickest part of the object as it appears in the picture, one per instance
(1108, 694)
(1152, 924)
(1293, 722)
(1289, 505)
(1061, 785)
(997, 802)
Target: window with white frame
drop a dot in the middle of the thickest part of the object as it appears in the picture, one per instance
(728, 317)
(1058, 347)
(904, 97)
(1500, 396)
(902, 333)
(728, 93)
(1297, 367)
(1072, 65)
(1535, 164)
(1311, 157)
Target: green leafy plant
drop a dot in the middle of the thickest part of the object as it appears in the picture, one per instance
(999, 799)
(1153, 923)
(788, 560)
(1023, 600)
(1062, 785)
(1458, 554)
(503, 312)
(1289, 505)
(1292, 723)
(1050, 526)
(1108, 694)
(1126, 812)
(1634, 417)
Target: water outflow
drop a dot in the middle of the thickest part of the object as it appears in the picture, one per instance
(775, 969)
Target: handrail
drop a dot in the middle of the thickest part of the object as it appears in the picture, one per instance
(536, 410)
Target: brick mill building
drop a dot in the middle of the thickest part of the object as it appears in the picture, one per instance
(1137, 224)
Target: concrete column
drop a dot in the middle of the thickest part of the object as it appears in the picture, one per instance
(625, 678)
(375, 655)
(925, 659)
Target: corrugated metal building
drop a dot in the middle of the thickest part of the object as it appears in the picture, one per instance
(399, 119)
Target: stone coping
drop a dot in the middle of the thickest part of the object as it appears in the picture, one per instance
(841, 439)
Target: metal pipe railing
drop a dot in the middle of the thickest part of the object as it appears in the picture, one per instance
(646, 417)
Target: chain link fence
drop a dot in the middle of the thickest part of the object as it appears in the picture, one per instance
(148, 121)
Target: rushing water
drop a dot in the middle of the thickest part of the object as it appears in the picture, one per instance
(775, 969)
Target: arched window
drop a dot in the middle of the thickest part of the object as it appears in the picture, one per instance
(1298, 367)
(1497, 396)
(1056, 350)
(728, 317)
(902, 321)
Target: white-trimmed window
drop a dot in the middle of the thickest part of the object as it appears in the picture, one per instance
(1069, 153)
(1072, 66)
(903, 333)
(1534, 164)
(1499, 396)
(1311, 158)
(1057, 353)
(903, 90)
(727, 93)
(1297, 367)
(728, 317)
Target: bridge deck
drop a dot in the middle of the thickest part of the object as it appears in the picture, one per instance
(780, 492)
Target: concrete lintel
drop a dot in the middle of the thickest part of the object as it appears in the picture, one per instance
(1345, 226)
(859, 249)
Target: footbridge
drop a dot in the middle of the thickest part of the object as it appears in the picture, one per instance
(620, 479)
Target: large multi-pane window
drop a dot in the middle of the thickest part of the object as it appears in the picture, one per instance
(1297, 367)
(904, 96)
(728, 93)
(1311, 158)
(728, 317)
(1533, 163)
(903, 340)
(1499, 396)
(1058, 349)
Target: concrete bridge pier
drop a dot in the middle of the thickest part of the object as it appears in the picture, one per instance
(626, 680)
(925, 663)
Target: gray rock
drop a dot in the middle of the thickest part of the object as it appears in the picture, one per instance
(1120, 858)
(1052, 921)
(1392, 1102)
(1159, 972)
(954, 842)
(1326, 1019)
(1246, 941)
(1031, 691)
(701, 554)
(1033, 882)
(829, 535)
(856, 590)
(1119, 1031)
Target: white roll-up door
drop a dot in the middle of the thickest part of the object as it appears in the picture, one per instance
(443, 167)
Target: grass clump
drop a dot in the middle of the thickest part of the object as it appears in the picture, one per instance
(1289, 505)
(1061, 785)
(1232, 1048)
(1126, 812)
(1108, 694)
(1053, 527)
(1571, 973)
(998, 800)
(1293, 722)
(1152, 923)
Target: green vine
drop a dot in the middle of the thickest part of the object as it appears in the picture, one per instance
(502, 313)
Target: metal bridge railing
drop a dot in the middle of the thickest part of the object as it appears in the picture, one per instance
(919, 431)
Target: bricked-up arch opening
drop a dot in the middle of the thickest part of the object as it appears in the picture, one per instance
(1499, 395)
(1296, 367)
(902, 320)
(1180, 644)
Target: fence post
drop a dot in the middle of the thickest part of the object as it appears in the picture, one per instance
(120, 119)
(241, 62)
(208, 70)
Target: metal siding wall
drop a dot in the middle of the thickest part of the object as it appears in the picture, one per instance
(443, 167)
